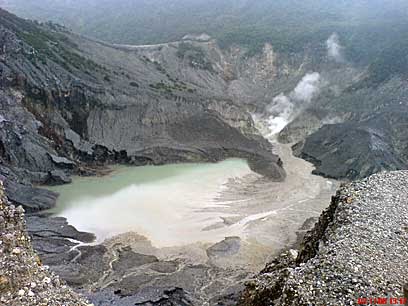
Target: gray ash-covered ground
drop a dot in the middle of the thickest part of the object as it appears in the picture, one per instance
(358, 249)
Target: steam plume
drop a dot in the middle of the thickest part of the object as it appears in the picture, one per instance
(307, 88)
(334, 48)
(282, 109)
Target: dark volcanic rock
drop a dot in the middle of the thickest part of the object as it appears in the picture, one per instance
(48, 227)
(58, 177)
(62, 161)
(164, 267)
(229, 246)
(356, 150)
(87, 265)
(146, 288)
(229, 298)
(31, 198)
(128, 260)
(357, 130)
(54, 239)
(151, 297)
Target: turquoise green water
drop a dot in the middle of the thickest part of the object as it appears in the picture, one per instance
(169, 204)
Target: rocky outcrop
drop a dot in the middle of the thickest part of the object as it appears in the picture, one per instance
(23, 278)
(31, 198)
(355, 252)
(352, 131)
(354, 150)
(306, 123)
(116, 273)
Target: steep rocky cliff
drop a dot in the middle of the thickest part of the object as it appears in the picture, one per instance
(356, 127)
(368, 135)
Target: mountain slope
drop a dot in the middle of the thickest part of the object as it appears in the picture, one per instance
(209, 80)
(366, 88)
(368, 134)
(367, 26)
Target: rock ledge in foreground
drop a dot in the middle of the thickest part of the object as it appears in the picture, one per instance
(358, 249)
(24, 281)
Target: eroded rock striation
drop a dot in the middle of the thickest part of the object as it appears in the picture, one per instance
(358, 249)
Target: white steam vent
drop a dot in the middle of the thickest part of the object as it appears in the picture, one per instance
(334, 48)
(284, 108)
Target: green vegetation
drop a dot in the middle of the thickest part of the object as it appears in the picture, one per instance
(38, 40)
(161, 86)
(372, 32)
(171, 88)
(365, 27)
(48, 45)
(46, 48)
(290, 41)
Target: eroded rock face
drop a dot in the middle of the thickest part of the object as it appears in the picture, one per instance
(354, 150)
(352, 131)
(31, 198)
